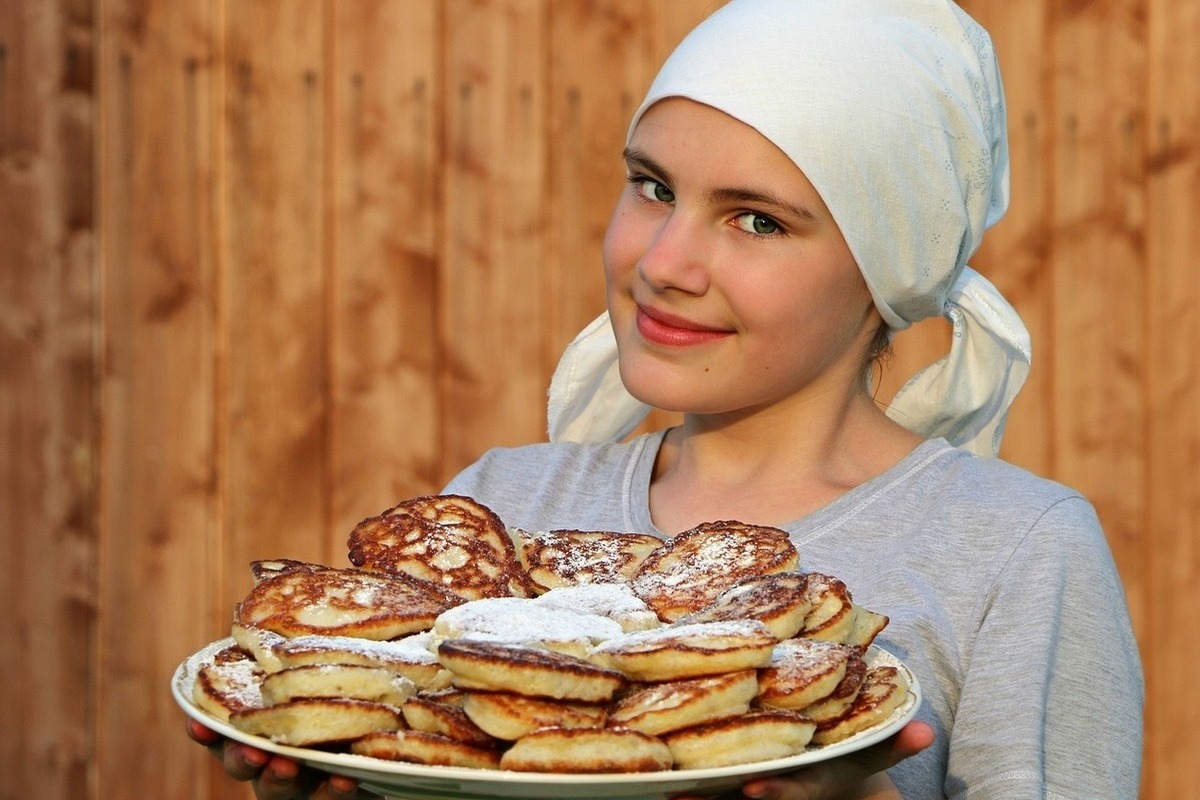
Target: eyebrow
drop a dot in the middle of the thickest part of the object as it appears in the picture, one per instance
(636, 158)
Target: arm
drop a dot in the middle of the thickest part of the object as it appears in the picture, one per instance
(1052, 696)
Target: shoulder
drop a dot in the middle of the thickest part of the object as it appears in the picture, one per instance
(976, 485)
(987, 510)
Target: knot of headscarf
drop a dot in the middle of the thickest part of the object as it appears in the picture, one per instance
(894, 110)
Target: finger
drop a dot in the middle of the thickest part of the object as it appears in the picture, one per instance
(912, 739)
(214, 741)
(200, 734)
(281, 779)
(243, 762)
(339, 787)
(831, 778)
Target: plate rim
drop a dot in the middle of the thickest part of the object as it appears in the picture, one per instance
(394, 772)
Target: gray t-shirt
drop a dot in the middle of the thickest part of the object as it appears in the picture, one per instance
(1001, 590)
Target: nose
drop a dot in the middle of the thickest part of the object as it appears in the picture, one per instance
(675, 256)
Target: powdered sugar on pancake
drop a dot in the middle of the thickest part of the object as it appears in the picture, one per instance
(613, 600)
(691, 569)
(414, 649)
(695, 634)
(597, 562)
(714, 556)
(518, 620)
(230, 683)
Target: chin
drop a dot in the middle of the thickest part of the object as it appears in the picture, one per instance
(657, 386)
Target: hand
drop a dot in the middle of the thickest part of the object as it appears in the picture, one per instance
(274, 777)
(856, 775)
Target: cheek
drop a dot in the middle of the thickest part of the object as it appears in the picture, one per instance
(609, 255)
(623, 244)
(809, 305)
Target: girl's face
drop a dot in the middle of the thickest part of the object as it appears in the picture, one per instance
(730, 286)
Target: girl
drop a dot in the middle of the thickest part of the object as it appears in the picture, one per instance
(807, 177)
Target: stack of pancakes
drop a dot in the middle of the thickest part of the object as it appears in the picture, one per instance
(454, 640)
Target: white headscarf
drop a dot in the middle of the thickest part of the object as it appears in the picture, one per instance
(894, 111)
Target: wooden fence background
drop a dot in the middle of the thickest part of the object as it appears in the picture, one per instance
(268, 266)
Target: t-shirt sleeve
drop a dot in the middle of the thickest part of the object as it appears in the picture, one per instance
(1051, 706)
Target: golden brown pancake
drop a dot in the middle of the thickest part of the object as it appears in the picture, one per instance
(409, 656)
(684, 651)
(803, 671)
(492, 666)
(268, 568)
(832, 614)
(865, 626)
(343, 602)
(230, 684)
(449, 540)
(586, 750)
(691, 569)
(883, 691)
(572, 557)
(658, 708)
(835, 703)
(258, 642)
(317, 720)
(525, 621)
(442, 713)
(337, 680)
(431, 749)
(511, 716)
(756, 736)
(779, 601)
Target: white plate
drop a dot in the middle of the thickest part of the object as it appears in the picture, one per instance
(403, 781)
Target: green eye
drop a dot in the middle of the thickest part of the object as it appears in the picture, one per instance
(757, 224)
(652, 190)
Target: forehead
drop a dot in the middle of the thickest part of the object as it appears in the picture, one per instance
(690, 141)
(682, 119)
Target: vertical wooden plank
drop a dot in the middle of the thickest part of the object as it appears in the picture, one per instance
(1172, 522)
(492, 314)
(672, 22)
(586, 134)
(384, 337)
(275, 377)
(48, 403)
(160, 509)
(1099, 279)
(1014, 255)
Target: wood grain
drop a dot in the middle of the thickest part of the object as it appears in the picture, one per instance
(1099, 240)
(492, 310)
(275, 283)
(48, 401)
(1172, 514)
(588, 119)
(268, 267)
(385, 437)
(160, 478)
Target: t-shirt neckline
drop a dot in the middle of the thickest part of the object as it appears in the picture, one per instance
(637, 488)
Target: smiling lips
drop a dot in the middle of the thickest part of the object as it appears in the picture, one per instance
(665, 329)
